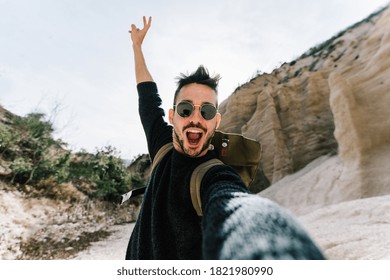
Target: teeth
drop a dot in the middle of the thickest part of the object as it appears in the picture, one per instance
(194, 131)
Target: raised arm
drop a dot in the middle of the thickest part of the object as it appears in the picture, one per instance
(137, 36)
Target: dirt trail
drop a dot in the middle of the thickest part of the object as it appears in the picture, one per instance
(112, 248)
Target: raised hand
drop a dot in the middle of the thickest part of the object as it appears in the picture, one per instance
(138, 35)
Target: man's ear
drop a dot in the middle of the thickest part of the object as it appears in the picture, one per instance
(218, 116)
(171, 113)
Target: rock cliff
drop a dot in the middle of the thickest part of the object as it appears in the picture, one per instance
(324, 125)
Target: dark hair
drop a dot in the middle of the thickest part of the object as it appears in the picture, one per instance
(200, 76)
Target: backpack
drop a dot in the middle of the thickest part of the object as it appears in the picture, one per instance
(235, 150)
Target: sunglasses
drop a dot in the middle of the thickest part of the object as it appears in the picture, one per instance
(185, 109)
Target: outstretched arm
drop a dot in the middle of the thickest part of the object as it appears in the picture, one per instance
(137, 36)
(240, 225)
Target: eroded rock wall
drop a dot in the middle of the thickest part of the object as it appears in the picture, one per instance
(292, 111)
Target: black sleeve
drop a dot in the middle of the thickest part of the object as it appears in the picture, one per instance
(240, 225)
(157, 131)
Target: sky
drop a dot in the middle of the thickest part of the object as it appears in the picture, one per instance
(73, 60)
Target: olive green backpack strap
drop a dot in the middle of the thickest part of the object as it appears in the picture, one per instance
(160, 154)
(196, 180)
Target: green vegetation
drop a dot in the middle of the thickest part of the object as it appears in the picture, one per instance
(32, 157)
(104, 171)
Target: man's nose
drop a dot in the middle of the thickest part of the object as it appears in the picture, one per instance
(197, 115)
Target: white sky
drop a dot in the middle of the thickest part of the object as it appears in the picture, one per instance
(77, 54)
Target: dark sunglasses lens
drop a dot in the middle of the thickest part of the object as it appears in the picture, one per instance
(208, 111)
(184, 109)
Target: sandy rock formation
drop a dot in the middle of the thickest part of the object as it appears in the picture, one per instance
(324, 124)
(291, 119)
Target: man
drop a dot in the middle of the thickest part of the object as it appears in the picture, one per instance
(235, 224)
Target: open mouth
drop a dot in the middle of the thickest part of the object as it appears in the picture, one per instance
(194, 137)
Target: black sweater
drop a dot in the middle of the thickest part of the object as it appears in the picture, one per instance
(235, 224)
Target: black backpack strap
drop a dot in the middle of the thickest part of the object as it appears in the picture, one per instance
(157, 158)
(196, 180)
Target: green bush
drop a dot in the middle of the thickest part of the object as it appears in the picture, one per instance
(27, 147)
(104, 170)
(8, 147)
(21, 169)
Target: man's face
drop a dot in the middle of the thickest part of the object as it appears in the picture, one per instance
(192, 135)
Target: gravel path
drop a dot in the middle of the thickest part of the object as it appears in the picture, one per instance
(112, 248)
